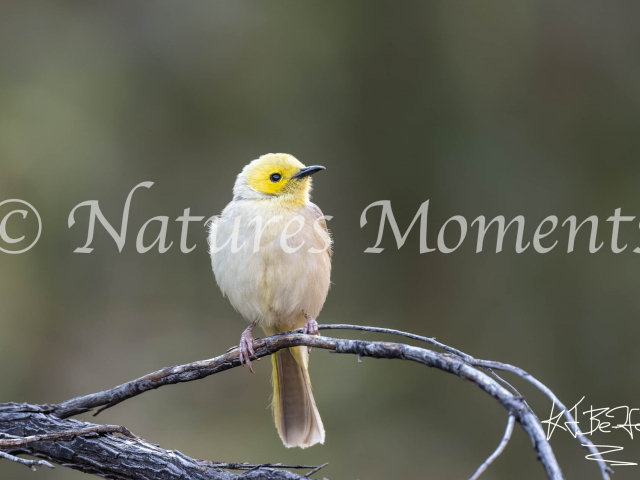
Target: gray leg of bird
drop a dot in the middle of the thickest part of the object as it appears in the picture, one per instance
(310, 328)
(245, 349)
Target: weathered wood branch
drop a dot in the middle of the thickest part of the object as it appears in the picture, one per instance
(128, 457)
(117, 457)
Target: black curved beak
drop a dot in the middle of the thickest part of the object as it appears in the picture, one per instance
(305, 172)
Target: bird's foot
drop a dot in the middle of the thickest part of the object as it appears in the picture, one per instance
(310, 328)
(245, 349)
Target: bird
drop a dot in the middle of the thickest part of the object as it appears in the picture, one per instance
(271, 254)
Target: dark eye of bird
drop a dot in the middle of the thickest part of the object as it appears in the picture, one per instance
(275, 177)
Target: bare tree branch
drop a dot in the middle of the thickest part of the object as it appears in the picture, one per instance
(490, 366)
(263, 347)
(503, 444)
(604, 468)
(49, 433)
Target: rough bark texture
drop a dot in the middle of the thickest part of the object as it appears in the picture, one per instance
(111, 456)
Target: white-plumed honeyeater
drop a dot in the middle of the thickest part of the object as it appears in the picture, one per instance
(271, 256)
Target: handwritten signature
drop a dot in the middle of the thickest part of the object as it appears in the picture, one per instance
(603, 420)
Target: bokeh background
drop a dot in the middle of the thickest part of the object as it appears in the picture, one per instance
(485, 108)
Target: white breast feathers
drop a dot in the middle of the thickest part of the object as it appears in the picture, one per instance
(272, 262)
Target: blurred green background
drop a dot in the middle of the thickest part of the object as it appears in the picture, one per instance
(485, 108)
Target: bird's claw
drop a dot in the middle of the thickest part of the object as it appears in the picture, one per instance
(310, 328)
(245, 349)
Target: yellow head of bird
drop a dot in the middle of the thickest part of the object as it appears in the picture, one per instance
(276, 175)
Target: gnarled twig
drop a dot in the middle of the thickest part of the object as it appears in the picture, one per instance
(32, 464)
